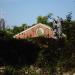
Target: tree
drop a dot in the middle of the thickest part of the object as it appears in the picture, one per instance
(68, 25)
(50, 15)
(69, 16)
(42, 19)
(24, 26)
(18, 29)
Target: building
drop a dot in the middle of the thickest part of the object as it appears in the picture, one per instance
(38, 30)
(2, 24)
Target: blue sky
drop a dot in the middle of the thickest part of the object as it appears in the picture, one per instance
(17, 12)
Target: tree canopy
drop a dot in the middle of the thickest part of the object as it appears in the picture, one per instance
(45, 52)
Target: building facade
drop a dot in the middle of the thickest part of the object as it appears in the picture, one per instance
(38, 30)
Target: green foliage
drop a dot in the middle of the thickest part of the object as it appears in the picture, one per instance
(50, 15)
(68, 29)
(5, 35)
(9, 70)
(44, 52)
(69, 16)
(42, 19)
(18, 29)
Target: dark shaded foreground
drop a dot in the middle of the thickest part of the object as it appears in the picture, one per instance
(20, 52)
